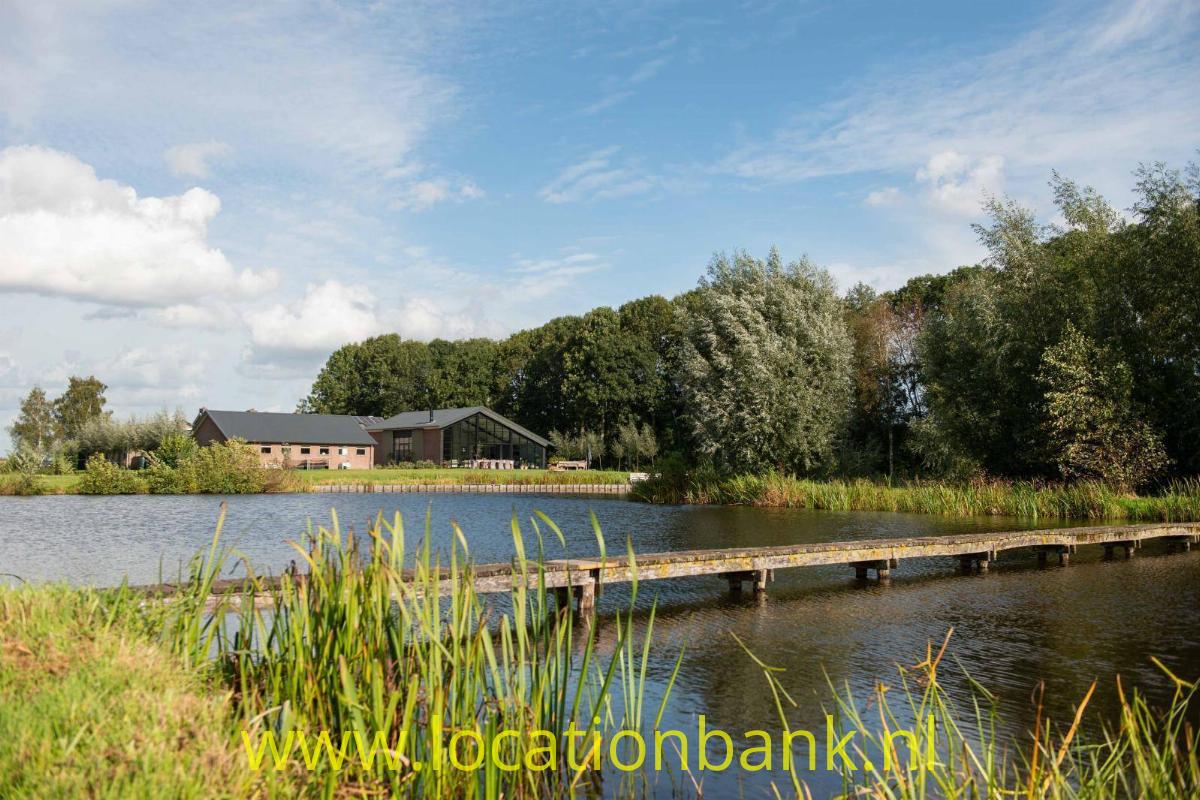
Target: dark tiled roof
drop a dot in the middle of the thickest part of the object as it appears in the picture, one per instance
(443, 417)
(268, 427)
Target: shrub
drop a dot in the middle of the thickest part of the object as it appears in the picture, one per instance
(175, 448)
(230, 467)
(23, 466)
(104, 477)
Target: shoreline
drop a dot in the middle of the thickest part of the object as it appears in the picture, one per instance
(470, 488)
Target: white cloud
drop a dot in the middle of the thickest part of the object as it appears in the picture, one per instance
(193, 159)
(597, 177)
(427, 193)
(887, 196)
(1065, 95)
(329, 315)
(66, 232)
(959, 184)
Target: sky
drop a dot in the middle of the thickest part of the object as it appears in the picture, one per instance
(199, 202)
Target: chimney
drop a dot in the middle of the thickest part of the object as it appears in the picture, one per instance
(431, 415)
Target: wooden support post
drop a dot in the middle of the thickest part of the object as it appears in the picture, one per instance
(982, 564)
(761, 577)
(1108, 552)
(1064, 557)
(586, 596)
(735, 582)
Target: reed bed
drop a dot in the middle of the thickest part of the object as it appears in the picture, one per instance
(956, 751)
(396, 645)
(1178, 502)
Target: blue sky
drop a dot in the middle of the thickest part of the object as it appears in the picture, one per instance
(199, 203)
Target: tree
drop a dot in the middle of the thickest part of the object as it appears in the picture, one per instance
(34, 426)
(887, 382)
(1090, 421)
(82, 402)
(765, 364)
(380, 376)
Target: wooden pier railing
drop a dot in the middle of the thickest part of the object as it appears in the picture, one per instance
(582, 579)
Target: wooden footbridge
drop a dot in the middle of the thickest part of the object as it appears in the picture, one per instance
(583, 579)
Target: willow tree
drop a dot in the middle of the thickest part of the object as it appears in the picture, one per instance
(764, 367)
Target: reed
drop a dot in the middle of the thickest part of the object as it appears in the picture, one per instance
(956, 750)
(374, 639)
(1178, 502)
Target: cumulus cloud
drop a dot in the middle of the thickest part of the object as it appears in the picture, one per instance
(328, 316)
(193, 159)
(66, 232)
(597, 177)
(958, 184)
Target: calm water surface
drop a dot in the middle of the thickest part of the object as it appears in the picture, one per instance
(1015, 627)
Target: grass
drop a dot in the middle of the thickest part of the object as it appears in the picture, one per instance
(69, 484)
(536, 477)
(1179, 502)
(92, 706)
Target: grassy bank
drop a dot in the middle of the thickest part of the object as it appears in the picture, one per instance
(92, 705)
(524, 477)
(1083, 500)
(69, 484)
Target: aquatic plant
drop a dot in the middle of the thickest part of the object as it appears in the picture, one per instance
(368, 638)
(1178, 502)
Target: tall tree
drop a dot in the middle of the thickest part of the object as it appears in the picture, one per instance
(765, 364)
(82, 402)
(1090, 420)
(34, 427)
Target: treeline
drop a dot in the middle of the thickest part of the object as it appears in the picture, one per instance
(1072, 351)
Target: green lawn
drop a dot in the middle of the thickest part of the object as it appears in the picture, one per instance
(460, 476)
(66, 484)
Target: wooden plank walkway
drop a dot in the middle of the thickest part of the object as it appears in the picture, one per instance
(582, 579)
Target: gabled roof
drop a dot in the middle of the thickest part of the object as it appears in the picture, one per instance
(444, 417)
(269, 427)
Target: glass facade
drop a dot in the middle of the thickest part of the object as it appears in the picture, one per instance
(402, 446)
(480, 436)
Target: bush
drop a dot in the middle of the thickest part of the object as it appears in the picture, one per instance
(23, 466)
(104, 477)
(230, 467)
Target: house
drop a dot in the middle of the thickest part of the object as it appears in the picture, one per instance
(457, 437)
(305, 441)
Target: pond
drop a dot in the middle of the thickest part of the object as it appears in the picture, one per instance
(1014, 628)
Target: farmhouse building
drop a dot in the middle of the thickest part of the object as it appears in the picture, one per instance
(458, 437)
(304, 441)
(449, 437)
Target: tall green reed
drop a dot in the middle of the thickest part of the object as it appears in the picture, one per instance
(396, 645)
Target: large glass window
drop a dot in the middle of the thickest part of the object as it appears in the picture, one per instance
(480, 436)
(401, 446)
